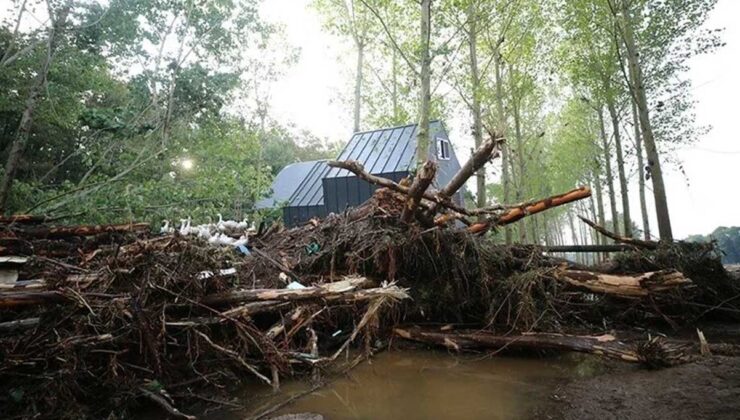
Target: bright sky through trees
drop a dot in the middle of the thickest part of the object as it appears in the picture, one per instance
(308, 96)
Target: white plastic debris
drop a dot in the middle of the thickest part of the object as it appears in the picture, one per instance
(295, 285)
(227, 271)
(204, 275)
(223, 272)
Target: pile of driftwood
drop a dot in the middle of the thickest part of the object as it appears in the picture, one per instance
(100, 319)
(97, 319)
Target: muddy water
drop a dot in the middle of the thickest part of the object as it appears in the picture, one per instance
(414, 384)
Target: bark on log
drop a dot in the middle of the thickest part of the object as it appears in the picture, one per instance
(359, 170)
(347, 290)
(482, 155)
(391, 292)
(488, 150)
(329, 290)
(284, 295)
(82, 230)
(627, 286)
(18, 325)
(421, 182)
(514, 214)
(586, 248)
(639, 243)
(19, 299)
(22, 218)
(603, 345)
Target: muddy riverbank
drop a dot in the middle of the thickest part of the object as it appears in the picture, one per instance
(706, 389)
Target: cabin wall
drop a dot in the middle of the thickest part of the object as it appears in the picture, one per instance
(293, 216)
(343, 192)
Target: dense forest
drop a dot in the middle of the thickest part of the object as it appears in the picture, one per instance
(150, 109)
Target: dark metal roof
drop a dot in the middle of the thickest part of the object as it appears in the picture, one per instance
(388, 150)
(310, 192)
(287, 182)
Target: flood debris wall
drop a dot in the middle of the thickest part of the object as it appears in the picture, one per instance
(107, 319)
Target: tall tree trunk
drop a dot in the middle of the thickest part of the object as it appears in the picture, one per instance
(595, 237)
(480, 176)
(639, 96)
(535, 236)
(573, 231)
(620, 168)
(422, 141)
(394, 95)
(358, 84)
(516, 181)
(34, 97)
(599, 206)
(584, 232)
(641, 173)
(559, 231)
(609, 177)
(520, 191)
(502, 129)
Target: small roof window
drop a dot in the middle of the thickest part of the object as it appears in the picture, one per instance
(443, 149)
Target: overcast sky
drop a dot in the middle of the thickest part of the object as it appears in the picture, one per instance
(308, 96)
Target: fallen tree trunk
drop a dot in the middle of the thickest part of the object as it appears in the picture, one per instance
(18, 325)
(284, 298)
(20, 299)
(485, 152)
(359, 170)
(604, 345)
(421, 182)
(626, 286)
(81, 230)
(326, 291)
(22, 218)
(655, 352)
(517, 213)
(639, 243)
(586, 248)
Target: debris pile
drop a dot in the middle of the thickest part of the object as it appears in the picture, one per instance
(100, 319)
(135, 318)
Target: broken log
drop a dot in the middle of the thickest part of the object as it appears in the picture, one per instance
(327, 290)
(586, 248)
(81, 230)
(517, 213)
(359, 170)
(22, 218)
(604, 345)
(19, 299)
(488, 150)
(639, 243)
(482, 155)
(654, 352)
(626, 286)
(18, 325)
(421, 182)
(348, 290)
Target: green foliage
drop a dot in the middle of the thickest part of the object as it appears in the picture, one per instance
(136, 89)
(728, 240)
